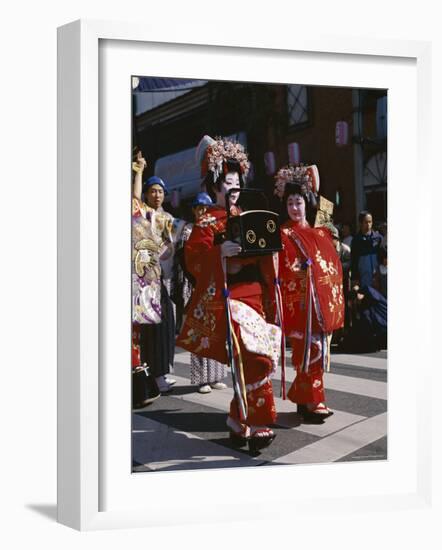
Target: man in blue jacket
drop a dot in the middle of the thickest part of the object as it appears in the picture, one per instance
(364, 251)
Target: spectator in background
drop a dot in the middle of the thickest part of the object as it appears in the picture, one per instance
(364, 251)
(343, 250)
(347, 234)
(382, 271)
(369, 329)
(383, 232)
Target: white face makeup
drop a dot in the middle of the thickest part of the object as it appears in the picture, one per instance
(231, 182)
(296, 208)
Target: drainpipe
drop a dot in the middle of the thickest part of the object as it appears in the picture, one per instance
(358, 157)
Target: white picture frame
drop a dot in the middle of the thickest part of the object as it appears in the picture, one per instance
(95, 487)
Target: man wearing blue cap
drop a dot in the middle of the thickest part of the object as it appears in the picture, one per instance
(153, 309)
(200, 204)
(154, 191)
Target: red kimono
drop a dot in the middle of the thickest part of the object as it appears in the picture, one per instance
(252, 310)
(311, 282)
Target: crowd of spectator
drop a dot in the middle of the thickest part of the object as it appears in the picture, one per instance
(364, 259)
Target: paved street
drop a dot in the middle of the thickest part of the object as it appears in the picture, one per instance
(186, 430)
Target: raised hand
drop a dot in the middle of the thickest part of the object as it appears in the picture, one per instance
(140, 163)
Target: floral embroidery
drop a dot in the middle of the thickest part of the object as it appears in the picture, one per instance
(192, 335)
(211, 290)
(198, 313)
(205, 319)
(257, 335)
(337, 295)
(206, 220)
(291, 286)
(329, 267)
(296, 265)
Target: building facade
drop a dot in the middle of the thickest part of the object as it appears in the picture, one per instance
(341, 130)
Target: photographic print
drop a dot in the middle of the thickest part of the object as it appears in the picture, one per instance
(259, 274)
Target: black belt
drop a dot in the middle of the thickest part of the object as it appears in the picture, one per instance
(248, 274)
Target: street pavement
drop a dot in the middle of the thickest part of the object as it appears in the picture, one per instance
(186, 430)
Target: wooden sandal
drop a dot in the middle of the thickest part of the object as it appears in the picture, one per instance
(310, 415)
(259, 439)
(323, 410)
(238, 433)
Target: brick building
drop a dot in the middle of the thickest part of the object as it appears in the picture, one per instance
(266, 118)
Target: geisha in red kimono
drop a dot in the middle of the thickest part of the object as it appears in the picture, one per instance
(232, 310)
(313, 300)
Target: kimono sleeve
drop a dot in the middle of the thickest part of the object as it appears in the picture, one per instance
(291, 277)
(289, 258)
(201, 254)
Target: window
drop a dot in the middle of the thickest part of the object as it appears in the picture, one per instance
(297, 104)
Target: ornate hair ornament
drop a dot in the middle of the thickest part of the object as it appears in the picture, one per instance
(214, 153)
(305, 176)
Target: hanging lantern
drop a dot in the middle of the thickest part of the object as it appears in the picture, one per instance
(175, 198)
(337, 198)
(294, 153)
(341, 133)
(269, 162)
